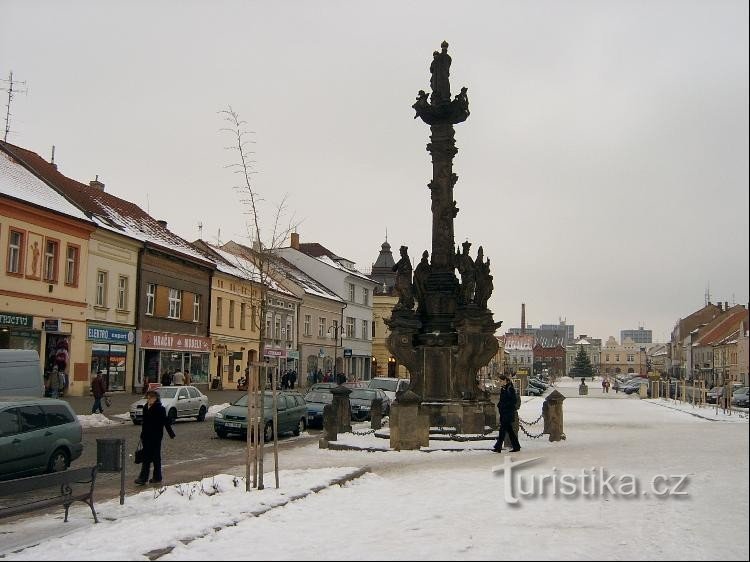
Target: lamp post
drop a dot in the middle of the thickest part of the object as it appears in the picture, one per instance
(336, 332)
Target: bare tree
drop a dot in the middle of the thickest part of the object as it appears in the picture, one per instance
(261, 255)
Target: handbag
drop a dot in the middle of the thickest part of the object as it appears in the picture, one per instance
(139, 454)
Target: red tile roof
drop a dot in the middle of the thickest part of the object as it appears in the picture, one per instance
(316, 250)
(722, 326)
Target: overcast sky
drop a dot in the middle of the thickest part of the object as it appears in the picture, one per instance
(604, 167)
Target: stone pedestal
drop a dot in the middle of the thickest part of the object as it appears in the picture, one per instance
(583, 389)
(643, 390)
(410, 429)
(466, 416)
(342, 409)
(552, 411)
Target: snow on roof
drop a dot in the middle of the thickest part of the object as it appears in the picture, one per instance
(328, 261)
(17, 182)
(308, 284)
(243, 268)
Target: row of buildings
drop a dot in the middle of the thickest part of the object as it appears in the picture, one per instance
(709, 345)
(97, 285)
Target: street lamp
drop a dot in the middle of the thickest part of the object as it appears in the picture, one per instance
(337, 330)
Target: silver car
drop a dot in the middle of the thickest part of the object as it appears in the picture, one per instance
(178, 401)
(37, 435)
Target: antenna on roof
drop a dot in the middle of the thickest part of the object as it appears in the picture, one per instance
(200, 230)
(11, 92)
(707, 297)
(52, 160)
(218, 238)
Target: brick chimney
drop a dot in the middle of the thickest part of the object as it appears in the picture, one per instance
(523, 318)
(294, 243)
(162, 223)
(96, 184)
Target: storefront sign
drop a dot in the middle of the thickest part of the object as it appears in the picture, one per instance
(292, 355)
(176, 342)
(51, 324)
(347, 352)
(111, 335)
(19, 320)
(270, 352)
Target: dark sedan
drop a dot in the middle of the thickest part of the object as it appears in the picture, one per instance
(316, 401)
(361, 402)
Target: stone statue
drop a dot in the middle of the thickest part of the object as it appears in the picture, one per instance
(461, 105)
(484, 285)
(466, 268)
(440, 79)
(403, 284)
(421, 273)
(421, 105)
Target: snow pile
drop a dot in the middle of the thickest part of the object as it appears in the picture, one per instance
(96, 420)
(157, 518)
(706, 411)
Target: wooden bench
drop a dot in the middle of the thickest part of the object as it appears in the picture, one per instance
(60, 488)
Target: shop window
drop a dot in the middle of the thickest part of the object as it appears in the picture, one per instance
(109, 360)
(50, 260)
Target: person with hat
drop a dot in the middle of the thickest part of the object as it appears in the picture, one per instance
(155, 421)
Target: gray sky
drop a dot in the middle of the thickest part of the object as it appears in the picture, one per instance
(604, 167)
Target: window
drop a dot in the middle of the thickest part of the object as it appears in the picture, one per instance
(254, 317)
(150, 294)
(219, 307)
(289, 330)
(122, 293)
(335, 329)
(196, 308)
(606, 358)
(231, 314)
(175, 303)
(373, 328)
(277, 329)
(243, 313)
(57, 414)
(31, 418)
(351, 292)
(365, 296)
(617, 358)
(351, 329)
(9, 422)
(268, 326)
(365, 330)
(50, 260)
(15, 252)
(322, 327)
(308, 328)
(71, 265)
(631, 358)
(101, 288)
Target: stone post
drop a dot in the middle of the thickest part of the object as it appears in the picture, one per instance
(582, 388)
(342, 409)
(376, 413)
(409, 428)
(329, 427)
(553, 421)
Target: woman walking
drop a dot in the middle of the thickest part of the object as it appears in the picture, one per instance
(155, 421)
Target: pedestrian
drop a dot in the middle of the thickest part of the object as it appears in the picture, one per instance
(54, 383)
(98, 390)
(507, 407)
(319, 376)
(188, 377)
(285, 381)
(178, 379)
(292, 379)
(155, 421)
(166, 379)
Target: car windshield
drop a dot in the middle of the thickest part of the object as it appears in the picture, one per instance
(242, 400)
(742, 390)
(363, 394)
(319, 397)
(390, 384)
(167, 392)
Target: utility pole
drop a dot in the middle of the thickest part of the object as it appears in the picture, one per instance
(12, 91)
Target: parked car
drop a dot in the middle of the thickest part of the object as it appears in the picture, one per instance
(714, 394)
(391, 386)
(361, 402)
(20, 373)
(37, 435)
(740, 397)
(537, 383)
(316, 401)
(178, 401)
(291, 411)
(632, 386)
(533, 391)
(323, 386)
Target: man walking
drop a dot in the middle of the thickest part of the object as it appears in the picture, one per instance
(507, 407)
(98, 390)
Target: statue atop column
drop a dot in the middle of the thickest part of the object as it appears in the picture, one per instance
(403, 286)
(441, 109)
(421, 273)
(467, 270)
(440, 71)
(484, 285)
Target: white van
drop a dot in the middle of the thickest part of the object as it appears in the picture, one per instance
(21, 373)
(391, 386)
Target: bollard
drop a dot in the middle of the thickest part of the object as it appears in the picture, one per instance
(110, 457)
(554, 419)
(342, 409)
(582, 388)
(329, 427)
(409, 428)
(376, 413)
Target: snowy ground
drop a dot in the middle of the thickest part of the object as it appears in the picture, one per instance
(452, 505)
(99, 420)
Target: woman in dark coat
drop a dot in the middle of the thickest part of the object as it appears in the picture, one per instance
(155, 421)
(507, 407)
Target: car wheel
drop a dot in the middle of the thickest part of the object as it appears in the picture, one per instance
(221, 434)
(300, 427)
(136, 422)
(202, 414)
(268, 432)
(58, 461)
(172, 415)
